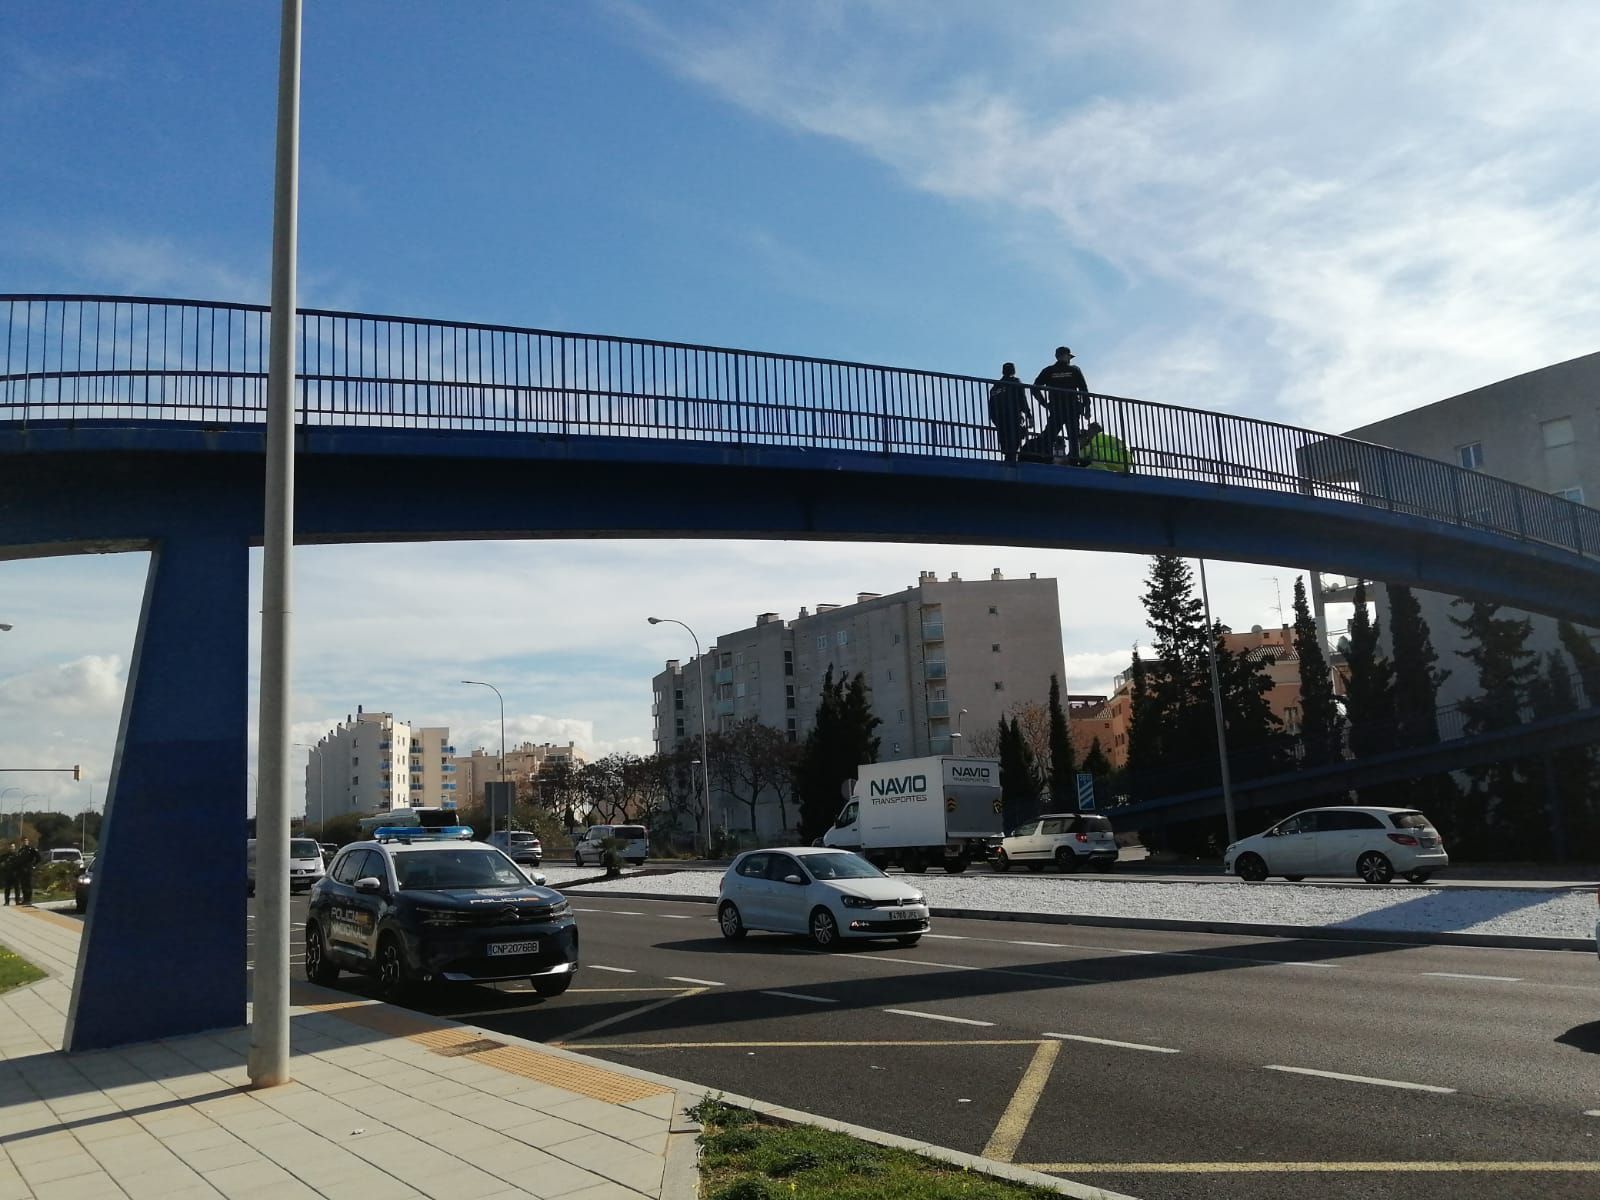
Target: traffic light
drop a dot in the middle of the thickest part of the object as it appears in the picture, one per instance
(77, 773)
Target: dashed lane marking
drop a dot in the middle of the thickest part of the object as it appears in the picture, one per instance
(948, 937)
(791, 1045)
(1393, 1083)
(928, 1016)
(696, 982)
(1287, 1168)
(1013, 1123)
(1458, 975)
(803, 996)
(1100, 1041)
(1593, 1112)
(618, 970)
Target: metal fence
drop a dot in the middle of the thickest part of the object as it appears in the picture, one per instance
(110, 358)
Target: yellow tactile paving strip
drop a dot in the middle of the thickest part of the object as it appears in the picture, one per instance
(53, 918)
(454, 1041)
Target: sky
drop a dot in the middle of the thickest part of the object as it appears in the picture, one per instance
(1322, 215)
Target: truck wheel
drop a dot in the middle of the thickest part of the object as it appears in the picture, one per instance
(954, 866)
(914, 864)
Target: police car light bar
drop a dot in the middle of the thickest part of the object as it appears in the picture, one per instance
(416, 833)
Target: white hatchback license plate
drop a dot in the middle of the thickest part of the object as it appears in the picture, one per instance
(501, 949)
(904, 914)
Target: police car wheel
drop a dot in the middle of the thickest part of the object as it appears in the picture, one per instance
(393, 979)
(551, 985)
(318, 968)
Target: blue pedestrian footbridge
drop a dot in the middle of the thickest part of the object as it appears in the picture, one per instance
(132, 423)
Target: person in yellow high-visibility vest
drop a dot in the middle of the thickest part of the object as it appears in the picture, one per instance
(1103, 451)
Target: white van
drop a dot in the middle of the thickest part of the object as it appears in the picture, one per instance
(305, 864)
(633, 843)
(65, 854)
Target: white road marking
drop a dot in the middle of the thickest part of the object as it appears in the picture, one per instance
(802, 996)
(1593, 1112)
(701, 982)
(949, 937)
(1051, 945)
(619, 912)
(618, 970)
(1490, 978)
(1324, 966)
(1394, 1083)
(679, 916)
(1083, 1037)
(927, 1016)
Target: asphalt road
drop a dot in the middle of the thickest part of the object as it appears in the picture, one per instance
(1162, 1065)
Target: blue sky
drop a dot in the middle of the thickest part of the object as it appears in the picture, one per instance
(1317, 214)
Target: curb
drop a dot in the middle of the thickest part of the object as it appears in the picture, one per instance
(1240, 928)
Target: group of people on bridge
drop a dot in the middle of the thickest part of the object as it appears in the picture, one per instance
(1068, 435)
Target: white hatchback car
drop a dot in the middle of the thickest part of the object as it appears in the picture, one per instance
(1374, 844)
(827, 893)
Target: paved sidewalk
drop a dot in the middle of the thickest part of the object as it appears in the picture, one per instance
(385, 1103)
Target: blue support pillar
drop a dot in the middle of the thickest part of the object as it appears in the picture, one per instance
(163, 950)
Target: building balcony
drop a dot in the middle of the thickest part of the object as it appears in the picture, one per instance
(723, 675)
(939, 744)
(933, 631)
(724, 708)
(934, 668)
(938, 708)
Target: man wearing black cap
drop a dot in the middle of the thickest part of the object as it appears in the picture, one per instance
(1008, 410)
(1062, 392)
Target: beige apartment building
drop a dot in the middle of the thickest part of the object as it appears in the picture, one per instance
(1540, 429)
(523, 765)
(943, 658)
(371, 763)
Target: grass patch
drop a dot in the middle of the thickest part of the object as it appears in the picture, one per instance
(16, 970)
(747, 1157)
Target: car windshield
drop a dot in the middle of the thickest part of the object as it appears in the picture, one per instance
(628, 833)
(523, 837)
(1409, 820)
(840, 866)
(442, 870)
(299, 848)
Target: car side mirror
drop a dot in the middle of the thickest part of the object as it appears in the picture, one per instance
(793, 879)
(369, 883)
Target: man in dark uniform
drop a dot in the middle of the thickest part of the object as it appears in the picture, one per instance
(1062, 392)
(23, 860)
(1008, 410)
(7, 871)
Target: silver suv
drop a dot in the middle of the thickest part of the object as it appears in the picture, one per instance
(1068, 840)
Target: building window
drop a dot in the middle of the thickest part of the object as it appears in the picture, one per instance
(677, 698)
(789, 729)
(842, 637)
(822, 641)
(995, 649)
(1557, 433)
(738, 691)
(355, 780)
(1575, 494)
(679, 730)
(355, 762)
(1470, 456)
(788, 662)
(755, 669)
(897, 639)
(888, 675)
(993, 611)
(998, 686)
(738, 659)
(788, 696)
(902, 716)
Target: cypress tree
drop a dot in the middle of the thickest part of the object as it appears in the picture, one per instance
(1370, 695)
(1585, 657)
(1321, 726)
(840, 741)
(1509, 817)
(1063, 768)
(1020, 784)
(1095, 762)
(1416, 676)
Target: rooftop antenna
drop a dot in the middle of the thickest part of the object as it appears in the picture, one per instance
(1278, 591)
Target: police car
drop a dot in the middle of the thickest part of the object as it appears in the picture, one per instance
(431, 905)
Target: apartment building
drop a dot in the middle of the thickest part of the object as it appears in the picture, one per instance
(372, 763)
(1540, 429)
(944, 658)
(523, 765)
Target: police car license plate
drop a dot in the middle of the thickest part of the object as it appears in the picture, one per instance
(501, 949)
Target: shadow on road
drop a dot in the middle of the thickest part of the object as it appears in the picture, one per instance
(1582, 1037)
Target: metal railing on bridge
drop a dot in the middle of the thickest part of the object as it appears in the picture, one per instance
(110, 358)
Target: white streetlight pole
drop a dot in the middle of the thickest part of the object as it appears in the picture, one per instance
(705, 752)
(1216, 708)
(501, 769)
(269, 1026)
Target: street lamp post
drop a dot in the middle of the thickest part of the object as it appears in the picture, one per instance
(1216, 707)
(705, 752)
(501, 769)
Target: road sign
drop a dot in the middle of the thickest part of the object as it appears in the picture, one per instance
(1085, 791)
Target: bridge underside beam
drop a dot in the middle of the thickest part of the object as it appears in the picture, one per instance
(163, 949)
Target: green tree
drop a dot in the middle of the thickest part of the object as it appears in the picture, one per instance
(841, 740)
(1369, 697)
(1255, 737)
(1416, 673)
(1063, 784)
(1585, 657)
(1020, 782)
(1509, 817)
(1095, 762)
(1321, 725)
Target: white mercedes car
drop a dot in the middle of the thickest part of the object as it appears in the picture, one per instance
(1372, 844)
(829, 894)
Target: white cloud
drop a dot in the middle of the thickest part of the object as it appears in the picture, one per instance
(1357, 210)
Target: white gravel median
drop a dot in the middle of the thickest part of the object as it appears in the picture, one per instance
(1399, 908)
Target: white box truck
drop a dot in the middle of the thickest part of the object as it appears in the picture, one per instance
(922, 812)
